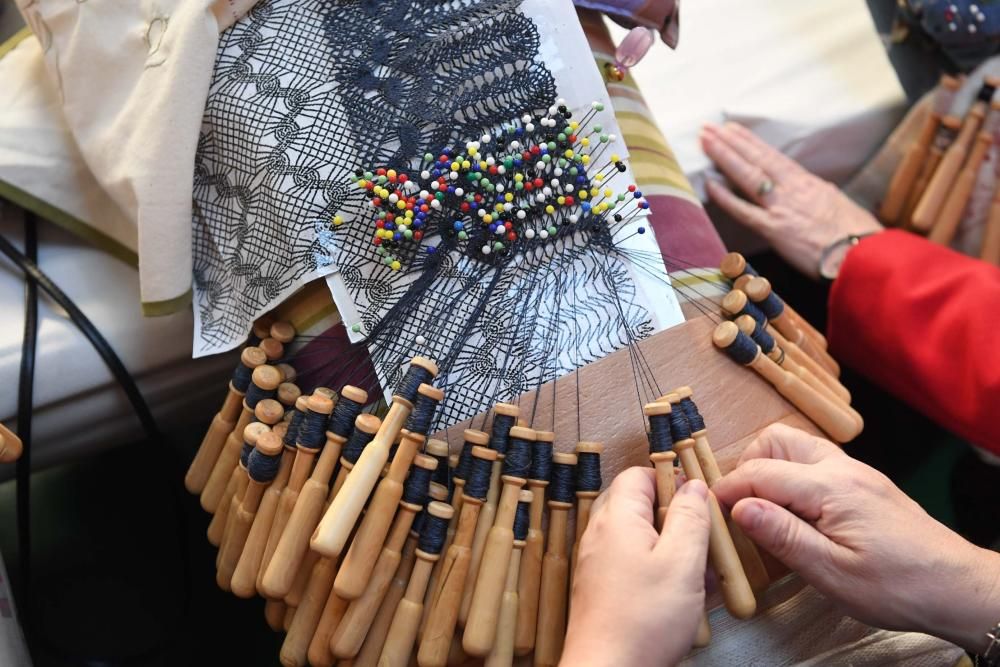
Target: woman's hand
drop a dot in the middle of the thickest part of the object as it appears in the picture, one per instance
(796, 212)
(848, 531)
(637, 594)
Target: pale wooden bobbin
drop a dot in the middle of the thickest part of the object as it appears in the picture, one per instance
(901, 184)
(487, 594)
(585, 498)
(405, 620)
(502, 653)
(733, 265)
(268, 413)
(504, 415)
(273, 349)
(946, 225)
(261, 328)
(280, 571)
(335, 527)
(358, 564)
(443, 615)
(379, 632)
(663, 463)
(759, 291)
(294, 650)
(288, 372)
(530, 577)
(274, 614)
(223, 423)
(261, 471)
(950, 126)
(10, 445)
(265, 379)
(244, 581)
(947, 171)
(283, 332)
(748, 326)
(307, 504)
(741, 282)
(350, 635)
(735, 304)
(551, 629)
(288, 391)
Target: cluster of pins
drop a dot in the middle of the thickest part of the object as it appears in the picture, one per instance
(933, 183)
(535, 178)
(369, 542)
(677, 431)
(774, 340)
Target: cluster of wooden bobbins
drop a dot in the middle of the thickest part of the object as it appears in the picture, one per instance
(677, 432)
(370, 543)
(768, 336)
(934, 181)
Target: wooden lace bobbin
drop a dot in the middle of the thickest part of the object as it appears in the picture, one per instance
(10, 445)
(741, 282)
(502, 653)
(288, 392)
(504, 419)
(305, 505)
(903, 178)
(335, 527)
(530, 577)
(350, 635)
(268, 413)
(944, 177)
(768, 346)
(737, 303)
(288, 372)
(733, 582)
(244, 581)
(224, 421)
(760, 293)
(263, 384)
(379, 630)
(262, 468)
(471, 439)
(444, 607)
(283, 332)
(754, 567)
(274, 614)
(360, 560)
(946, 225)
(945, 136)
(588, 487)
(834, 422)
(734, 266)
(334, 608)
(990, 250)
(261, 329)
(439, 450)
(273, 349)
(487, 596)
(551, 629)
(402, 632)
(281, 568)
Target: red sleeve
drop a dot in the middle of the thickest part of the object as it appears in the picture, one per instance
(923, 322)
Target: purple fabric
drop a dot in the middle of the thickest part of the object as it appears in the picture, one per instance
(684, 233)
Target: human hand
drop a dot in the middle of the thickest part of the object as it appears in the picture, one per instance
(800, 216)
(848, 531)
(638, 595)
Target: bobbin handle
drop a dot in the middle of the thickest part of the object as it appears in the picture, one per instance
(502, 653)
(795, 353)
(294, 540)
(906, 172)
(663, 462)
(551, 629)
(208, 452)
(443, 614)
(806, 376)
(296, 645)
(319, 653)
(236, 538)
(336, 525)
(402, 635)
(530, 577)
(946, 224)
(218, 478)
(244, 581)
(789, 330)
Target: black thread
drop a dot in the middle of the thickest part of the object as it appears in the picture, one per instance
(292, 434)
(694, 417)
(501, 432)
(660, 437)
(417, 486)
(680, 429)
(263, 467)
(541, 460)
(312, 430)
(255, 395)
(478, 483)
(355, 444)
(344, 414)
(464, 461)
(432, 534)
(522, 519)
(422, 414)
(418, 521)
(441, 475)
(241, 377)
(245, 453)
(562, 486)
(742, 350)
(517, 462)
(415, 376)
(588, 471)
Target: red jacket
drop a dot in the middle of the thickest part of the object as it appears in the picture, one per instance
(923, 322)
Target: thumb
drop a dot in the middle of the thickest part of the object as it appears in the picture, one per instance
(787, 537)
(684, 539)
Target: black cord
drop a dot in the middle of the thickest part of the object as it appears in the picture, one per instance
(25, 399)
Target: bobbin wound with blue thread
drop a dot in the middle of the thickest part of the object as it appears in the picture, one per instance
(288, 392)
(661, 454)
(365, 428)
(740, 347)
(265, 459)
(352, 400)
(477, 486)
(563, 481)
(292, 432)
(421, 371)
(734, 265)
(312, 428)
(418, 482)
(250, 358)
(760, 292)
(439, 450)
(504, 419)
(760, 336)
(737, 303)
(435, 528)
(522, 518)
(659, 435)
(264, 383)
(424, 406)
(517, 461)
(435, 492)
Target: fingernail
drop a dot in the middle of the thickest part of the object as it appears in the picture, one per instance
(695, 487)
(751, 516)
(709, 125)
